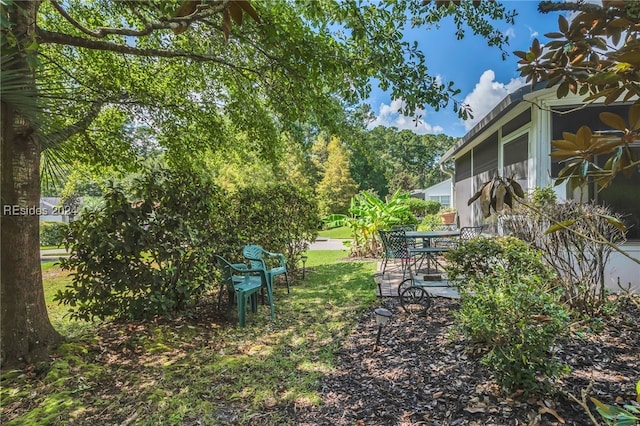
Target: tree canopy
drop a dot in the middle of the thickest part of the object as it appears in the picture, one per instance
(79, 76)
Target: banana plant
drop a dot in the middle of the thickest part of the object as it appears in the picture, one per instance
(367, 215)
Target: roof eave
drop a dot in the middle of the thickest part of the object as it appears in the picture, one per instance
(504, 106)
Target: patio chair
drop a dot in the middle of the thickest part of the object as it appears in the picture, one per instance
(435, 242)
(394, 247)
(412, 242)
(255, 254)
(243, 285)
(466, 233)
(469, 232)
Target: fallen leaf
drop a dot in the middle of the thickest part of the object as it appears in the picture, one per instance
(546, 410)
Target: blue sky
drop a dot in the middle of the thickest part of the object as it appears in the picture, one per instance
(477, 69)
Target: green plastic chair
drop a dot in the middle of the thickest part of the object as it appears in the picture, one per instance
(255, 254)
(243, 284)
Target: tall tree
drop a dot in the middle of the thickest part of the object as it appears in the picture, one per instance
(168, 64)
(337, 187)
(386, 159)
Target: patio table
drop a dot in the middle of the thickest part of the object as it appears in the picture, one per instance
(413, 292)
(427, 236)
(427, 250)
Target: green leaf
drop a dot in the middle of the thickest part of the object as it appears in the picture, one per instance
(334, 218)
(477, 194)
(554, 35)
(564, 144)
(613, 120)
(615, 222)
(632, 408)
(563, 24)
(634, 118)
(563, 90)
(564, 154)
(603, 409)
(559, 226)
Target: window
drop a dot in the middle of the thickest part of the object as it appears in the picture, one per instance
(516, 123)
(485, 155)
(622, 195)
(515, 157)
(565, 121)
(463, 167)
(445, 200)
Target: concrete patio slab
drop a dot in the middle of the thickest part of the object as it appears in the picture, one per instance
(436, 285)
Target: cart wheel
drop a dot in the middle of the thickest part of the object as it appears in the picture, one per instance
(404, 284)
(415, 300)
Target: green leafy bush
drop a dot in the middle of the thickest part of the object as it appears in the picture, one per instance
(421, 208)
(431, 222)
(510, 307)
(280, 217)
(488, 257)
(432, 206)
(146, 251)
(53, 233)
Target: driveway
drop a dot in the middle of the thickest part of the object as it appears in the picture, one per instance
(319, 244)
(327, 244)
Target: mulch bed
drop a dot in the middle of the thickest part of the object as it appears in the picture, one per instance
(421, 376)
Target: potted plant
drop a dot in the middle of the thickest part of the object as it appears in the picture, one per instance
(448, 215)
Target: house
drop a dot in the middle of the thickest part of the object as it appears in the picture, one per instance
(440, 192)
(514, 140)
(51, 209)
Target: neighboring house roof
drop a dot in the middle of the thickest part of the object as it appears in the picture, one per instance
(49, 203)
(441, 188)
(52, 207)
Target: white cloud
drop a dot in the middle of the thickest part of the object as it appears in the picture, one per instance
(486, 95)
(389, 117)
(532, 33)
(510, 32)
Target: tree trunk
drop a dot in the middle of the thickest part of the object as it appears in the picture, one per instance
(26, 333)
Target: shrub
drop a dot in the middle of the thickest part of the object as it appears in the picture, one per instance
(576, 256)
(53, 233)
(421, 208)
(280, 217)
(487, 257)
(510, 307)
(147, 251)
(431, 222)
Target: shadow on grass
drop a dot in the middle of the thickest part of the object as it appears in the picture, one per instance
(197, 369)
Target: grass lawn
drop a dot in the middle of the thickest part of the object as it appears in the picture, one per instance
(342, 233)
(195, 369)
